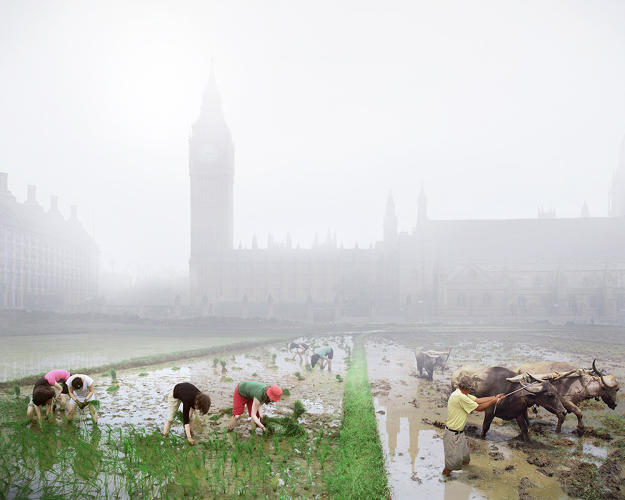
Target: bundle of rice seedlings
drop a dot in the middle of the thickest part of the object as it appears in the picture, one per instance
(286, 426)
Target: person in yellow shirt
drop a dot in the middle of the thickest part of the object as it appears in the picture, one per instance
(460, 404)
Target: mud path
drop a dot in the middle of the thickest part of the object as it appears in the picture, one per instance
(414, 448)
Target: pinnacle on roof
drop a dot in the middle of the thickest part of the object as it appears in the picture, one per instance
(211, 99)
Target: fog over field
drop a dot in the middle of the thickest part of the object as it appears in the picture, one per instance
(287, 249)
(498, 109)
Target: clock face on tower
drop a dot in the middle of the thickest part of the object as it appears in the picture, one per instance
(207, 153)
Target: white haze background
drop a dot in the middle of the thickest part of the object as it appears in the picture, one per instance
(497, 107)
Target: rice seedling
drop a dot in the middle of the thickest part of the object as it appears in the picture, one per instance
(309, 367)
(95, 403)
(112, 388)
(175, 368)
(225, 411)
(286, 391)
(339, 378)
(215, 362)
(223, 366)
(254, 374)
(113, 375)
(143, 374)
(228, 379)
(299, 376)
(140, 463)
(16, 390)
(286, 426)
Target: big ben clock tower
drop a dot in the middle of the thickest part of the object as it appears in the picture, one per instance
(211, 171)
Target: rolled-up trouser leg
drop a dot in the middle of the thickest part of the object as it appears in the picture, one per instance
(466, 455)
(456, 449)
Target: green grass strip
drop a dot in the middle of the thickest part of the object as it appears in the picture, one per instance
(359, 460)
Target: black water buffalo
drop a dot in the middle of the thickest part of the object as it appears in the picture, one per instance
(494, 380)
(430, 360)
(575, 385)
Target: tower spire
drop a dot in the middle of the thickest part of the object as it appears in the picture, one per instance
(617, 191)
(422, 212)
(211, 98)
(390, 220)
(211, 173)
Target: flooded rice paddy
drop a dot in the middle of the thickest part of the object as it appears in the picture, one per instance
(139, 401)
(22, 355)
(222, 465)
(410, 411)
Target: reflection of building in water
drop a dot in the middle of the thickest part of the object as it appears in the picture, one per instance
(395, 417)
(47, 262)
(571, 268)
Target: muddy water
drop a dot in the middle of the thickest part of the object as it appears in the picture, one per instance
(139, 401)
(414, 448)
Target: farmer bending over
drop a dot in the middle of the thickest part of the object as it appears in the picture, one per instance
(300, 350)
(58, 379)
(191, 399)
(460, 404)
(323, 355)
(254, 395)
(80, 389)
(43, 394)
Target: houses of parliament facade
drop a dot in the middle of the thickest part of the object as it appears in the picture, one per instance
(539, 268)
(47, 262)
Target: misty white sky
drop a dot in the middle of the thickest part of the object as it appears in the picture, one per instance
(498, 107)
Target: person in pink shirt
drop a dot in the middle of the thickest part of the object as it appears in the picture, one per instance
(55, 378)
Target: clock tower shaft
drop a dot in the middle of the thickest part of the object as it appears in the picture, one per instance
(211, 171)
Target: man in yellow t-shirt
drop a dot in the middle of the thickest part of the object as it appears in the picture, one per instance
(460, 404)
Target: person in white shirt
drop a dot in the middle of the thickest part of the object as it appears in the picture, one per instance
(80, 388)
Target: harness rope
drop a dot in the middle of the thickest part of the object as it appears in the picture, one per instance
(517, 390)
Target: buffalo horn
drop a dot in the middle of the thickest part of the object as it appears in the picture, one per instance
(526, 387)
(535, 379)
(594, 368)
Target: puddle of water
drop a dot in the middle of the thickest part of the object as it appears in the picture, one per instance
(600, 452)
(414, 450)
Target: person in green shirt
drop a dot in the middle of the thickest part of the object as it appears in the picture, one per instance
(252, 394)
(324, 356)
(460, 404)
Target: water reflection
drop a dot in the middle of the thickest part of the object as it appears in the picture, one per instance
(415, 456)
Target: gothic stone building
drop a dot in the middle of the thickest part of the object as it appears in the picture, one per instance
(547, 267)
(47, 262)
